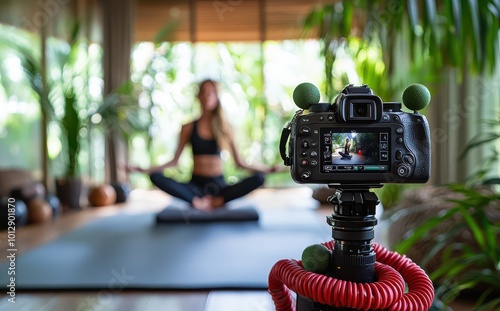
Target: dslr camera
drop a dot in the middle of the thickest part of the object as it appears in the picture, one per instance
(358, 139)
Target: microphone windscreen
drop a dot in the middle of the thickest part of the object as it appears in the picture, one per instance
(306, 94)
(416, 97)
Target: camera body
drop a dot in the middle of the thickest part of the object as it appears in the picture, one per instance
(358, 140)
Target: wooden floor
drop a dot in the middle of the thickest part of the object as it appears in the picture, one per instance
(143, 200)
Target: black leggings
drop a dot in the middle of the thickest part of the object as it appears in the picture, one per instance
(200, 186)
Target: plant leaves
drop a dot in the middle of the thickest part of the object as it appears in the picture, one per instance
(413, 16)
(456, 9)
(421, 231)
(479, 140)
(476, 38)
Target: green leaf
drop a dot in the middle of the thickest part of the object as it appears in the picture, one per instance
(474, 227)
(347, 17)
(413, 15)
(488, 306)
(490, 247)
(476, 38)
(456, 9)
(443, 241)
(430, 6)
(421, 231)
(165, 33)
(479, 140)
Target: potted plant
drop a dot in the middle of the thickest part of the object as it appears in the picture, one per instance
(455, 235)
(119, 113)
(58, 97)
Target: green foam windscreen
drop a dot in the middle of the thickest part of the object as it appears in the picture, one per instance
(416, 97)
(306, 94)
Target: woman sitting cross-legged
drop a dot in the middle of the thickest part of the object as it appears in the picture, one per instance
(207, 135)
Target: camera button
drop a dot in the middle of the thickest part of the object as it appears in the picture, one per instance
(305, 144)
(314, 144)
(399, 155)
(305, 130)
(304, 153)
(384, 156)
(304, 162)
(402, 170)
(330, 117)
(385, 117)
(399, 130)
(399, 140)
(396, 118)
(305, 174)
(321, 118)
(409, 159)
(313, 154)
(314, 163)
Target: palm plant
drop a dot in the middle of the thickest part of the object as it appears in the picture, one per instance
(435, 34)
(58, 90)
(119, 112)
(467, 250)
(58, 93)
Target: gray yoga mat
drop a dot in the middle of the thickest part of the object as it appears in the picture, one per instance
(173, 214)
(129, 251)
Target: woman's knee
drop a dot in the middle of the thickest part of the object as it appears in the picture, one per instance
(156, 177)
(259, 178)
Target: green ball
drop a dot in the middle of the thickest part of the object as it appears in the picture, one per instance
(316, 258)
(416, 97)
(306, 94)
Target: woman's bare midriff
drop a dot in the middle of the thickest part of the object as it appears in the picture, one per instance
(207, 165)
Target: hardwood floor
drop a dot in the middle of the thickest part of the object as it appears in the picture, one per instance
(31, 236)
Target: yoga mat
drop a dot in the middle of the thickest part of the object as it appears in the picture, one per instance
(174, 214)
(129, 251)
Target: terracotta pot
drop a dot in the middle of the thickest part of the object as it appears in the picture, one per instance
(69, 191)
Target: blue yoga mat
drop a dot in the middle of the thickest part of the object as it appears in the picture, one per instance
(129, 251)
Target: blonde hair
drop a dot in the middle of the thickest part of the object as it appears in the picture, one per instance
(220, 126)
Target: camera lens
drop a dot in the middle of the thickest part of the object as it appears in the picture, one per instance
(360, 110)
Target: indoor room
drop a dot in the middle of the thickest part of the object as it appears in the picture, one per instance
(253, 155)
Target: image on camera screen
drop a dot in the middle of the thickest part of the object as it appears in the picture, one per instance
(354, 150)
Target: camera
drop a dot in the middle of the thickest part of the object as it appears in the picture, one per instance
(358, 139)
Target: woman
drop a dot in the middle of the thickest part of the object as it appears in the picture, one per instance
(347, 146)
(207, 135)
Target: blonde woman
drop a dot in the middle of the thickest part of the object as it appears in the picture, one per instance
(207, 135)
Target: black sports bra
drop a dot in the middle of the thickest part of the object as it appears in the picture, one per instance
(202, 146)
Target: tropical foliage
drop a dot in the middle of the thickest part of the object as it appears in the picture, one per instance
(61, 92)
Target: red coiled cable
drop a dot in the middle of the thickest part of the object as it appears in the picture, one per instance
(392, 271)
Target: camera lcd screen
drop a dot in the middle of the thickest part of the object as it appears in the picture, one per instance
(354, 150)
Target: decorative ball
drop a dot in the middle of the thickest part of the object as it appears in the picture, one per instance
(54, 203)
(39, 211)
(28, 191)
(122, 191)
(306, 94)
(20, 212)
(316, 258)
(416, 96)
(102, 195)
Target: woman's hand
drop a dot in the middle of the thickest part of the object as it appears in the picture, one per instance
(132, 168)
(277, 168)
